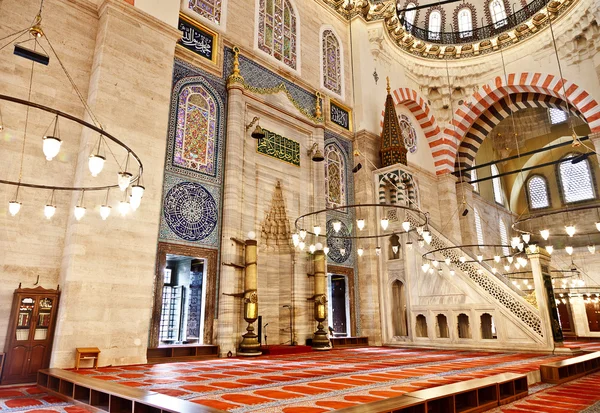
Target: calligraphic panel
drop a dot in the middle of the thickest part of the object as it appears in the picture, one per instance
(279, 147)
(340, 115)
(197, 39)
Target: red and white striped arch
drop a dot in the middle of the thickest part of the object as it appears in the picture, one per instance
(443, 151)
(526, 82)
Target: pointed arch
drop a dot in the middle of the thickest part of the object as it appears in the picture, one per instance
(440, 148)
(471, 121)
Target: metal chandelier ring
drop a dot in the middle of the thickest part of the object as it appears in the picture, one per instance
(423, 218)
(430, 255)
(534, 217)
(84, 124)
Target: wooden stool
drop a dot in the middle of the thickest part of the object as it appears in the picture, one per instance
(87, 353)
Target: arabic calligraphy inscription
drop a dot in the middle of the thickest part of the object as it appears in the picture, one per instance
(279, 147)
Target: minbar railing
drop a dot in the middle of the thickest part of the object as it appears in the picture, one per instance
(478, 34)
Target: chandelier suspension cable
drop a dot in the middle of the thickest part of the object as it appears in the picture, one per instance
(514, 127)
(95, 120)
(460, 178)
(26, 122)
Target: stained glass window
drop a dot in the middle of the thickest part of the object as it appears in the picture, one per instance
(409, 16)
(465, 22)
(335, 186)
(435, 25)
(503, 237)
(209, 9)
(474, 178)
(196, 131)
(557, 116)
(478, 228)
(332, 62)
(576, 179)
(498, 13)
(497, 185)
(537, 189)
(277, 30)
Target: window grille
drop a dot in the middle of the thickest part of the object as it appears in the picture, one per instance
(497, 185)
(576, 180)
(557, 116)
(538, 193)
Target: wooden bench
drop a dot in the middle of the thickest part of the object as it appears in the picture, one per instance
(340, 342)
(87, 353)
(102, 396)
(471, 396)
(172, 353)
(570, 369)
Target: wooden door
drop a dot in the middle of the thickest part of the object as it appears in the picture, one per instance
(564, 314)
(592, 310)
(14, 365)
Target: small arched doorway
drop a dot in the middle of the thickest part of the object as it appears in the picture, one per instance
(442, 326)
(399, 320)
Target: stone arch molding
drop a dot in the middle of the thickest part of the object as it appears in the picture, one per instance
(546, 89)
(421, 111)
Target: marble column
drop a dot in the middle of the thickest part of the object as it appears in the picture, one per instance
(450, 200)
(108, 267)
(230, 323)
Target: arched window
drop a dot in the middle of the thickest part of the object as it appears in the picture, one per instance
(335, 180)
(277, 30)
(497, 185)
(503, 237)
(478, 229)
(498, 13)
(331, 60)
(474, 178)
(435, 25)
(576, 180)
(465, 22)
(557, 116)
(195, 146)
(537, 191)
(209, 9)
(409, 16)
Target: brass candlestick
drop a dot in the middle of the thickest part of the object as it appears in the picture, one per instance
(320, 340)
(250, 345)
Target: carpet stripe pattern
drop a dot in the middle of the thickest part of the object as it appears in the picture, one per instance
(318, 381)
(582, 395)
(30, 399)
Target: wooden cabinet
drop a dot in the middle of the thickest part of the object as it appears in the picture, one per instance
(30, 333)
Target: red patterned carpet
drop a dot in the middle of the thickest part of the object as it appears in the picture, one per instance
(574, 396)
(20, 399)
(585, 345)
(318, 381)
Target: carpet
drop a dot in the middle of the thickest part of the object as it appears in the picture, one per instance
(30, 399)
(318, 381)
